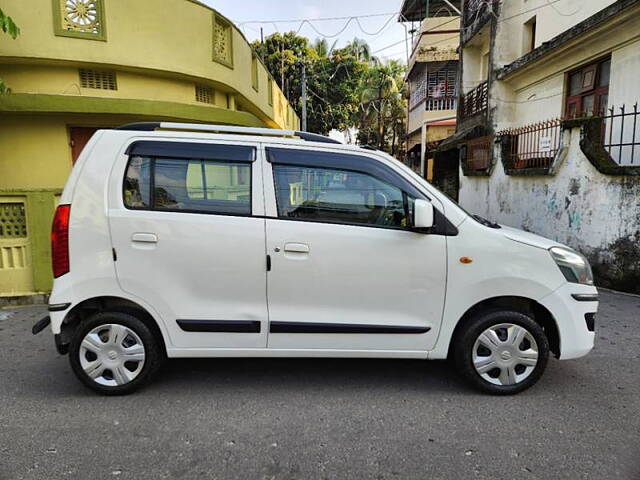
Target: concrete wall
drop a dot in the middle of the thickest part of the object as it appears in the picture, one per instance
(596, 214)
(174, 42)
(537, 92)
(552, 18)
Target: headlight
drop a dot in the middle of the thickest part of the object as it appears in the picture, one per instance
(574, 266)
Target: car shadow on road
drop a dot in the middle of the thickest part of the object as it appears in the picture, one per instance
(301, 373)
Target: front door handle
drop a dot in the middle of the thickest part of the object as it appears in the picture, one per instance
(144, 237)
(296, 247)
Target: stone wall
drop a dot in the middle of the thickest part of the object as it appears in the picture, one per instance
(578, 205)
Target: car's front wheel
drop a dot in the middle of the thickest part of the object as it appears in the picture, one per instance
(502, 352)
(114, 353)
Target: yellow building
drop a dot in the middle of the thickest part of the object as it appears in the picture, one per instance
(80, 65)
(432, 79)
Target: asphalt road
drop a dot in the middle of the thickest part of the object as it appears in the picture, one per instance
(307, 419)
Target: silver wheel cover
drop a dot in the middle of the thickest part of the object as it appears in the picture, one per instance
(505, 354)
(112, 354)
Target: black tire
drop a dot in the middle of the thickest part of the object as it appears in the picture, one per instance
(153, 352)
(466, 338)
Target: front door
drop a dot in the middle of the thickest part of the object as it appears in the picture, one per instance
(346, 271)
(188, 232)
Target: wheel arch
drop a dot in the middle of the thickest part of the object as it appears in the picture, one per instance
(527, 306)
(88, 307)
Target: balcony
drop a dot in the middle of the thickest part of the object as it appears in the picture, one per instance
(474, 102)
(475, 15)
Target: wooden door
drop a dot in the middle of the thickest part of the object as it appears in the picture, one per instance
(79, 136)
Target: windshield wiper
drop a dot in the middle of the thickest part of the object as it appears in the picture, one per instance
(484, 221)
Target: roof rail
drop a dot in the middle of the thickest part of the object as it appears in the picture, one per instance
(198, 127)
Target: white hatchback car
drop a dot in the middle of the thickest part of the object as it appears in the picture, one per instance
(180, 240)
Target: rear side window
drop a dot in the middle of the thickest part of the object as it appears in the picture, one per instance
(188, 184)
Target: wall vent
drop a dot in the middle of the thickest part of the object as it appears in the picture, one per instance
(98, 79)
(13, 222)
(204, 94)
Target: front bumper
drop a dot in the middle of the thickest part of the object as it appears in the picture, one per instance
(573, 318)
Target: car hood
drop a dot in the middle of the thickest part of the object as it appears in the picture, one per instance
(528, 238)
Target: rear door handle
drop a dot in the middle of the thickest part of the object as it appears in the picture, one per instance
(296, 247)
(144, 237)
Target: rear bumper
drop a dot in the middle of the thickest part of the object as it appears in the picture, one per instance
(573, 319)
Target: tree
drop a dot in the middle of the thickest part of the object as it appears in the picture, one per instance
(346, 87)
(321, 46)
(8, 26)
(381, 98)
(332, 80)
(361, 50)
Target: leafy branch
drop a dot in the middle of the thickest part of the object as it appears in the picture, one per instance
(8, 26)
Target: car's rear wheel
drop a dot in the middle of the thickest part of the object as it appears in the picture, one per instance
(502, 352)
(114, 353)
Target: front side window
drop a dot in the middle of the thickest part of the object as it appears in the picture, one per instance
(190, 185)
(340, 196)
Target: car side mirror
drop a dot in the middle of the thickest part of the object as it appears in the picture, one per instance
(422, 215)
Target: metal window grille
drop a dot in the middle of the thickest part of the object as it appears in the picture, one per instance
(204, 94)
(98, 79)
(478, 153)
(418, 93)
(535, 145)
(13, 223)
(441, 89)
(621, 134)
(475, 101)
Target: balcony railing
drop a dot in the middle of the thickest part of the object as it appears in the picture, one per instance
(474, 102)
(441, 103)
(533, 146)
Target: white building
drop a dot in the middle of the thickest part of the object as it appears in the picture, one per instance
(542, 141)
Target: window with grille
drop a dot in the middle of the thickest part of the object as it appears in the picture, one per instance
(79, 19)
(204, 94)
(254, 72)
(437, 87)
(441, 82)
(270, 91)
(98, 79)
(418, 93)
(222, 41)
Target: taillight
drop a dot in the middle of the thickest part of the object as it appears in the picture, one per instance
(60, 241)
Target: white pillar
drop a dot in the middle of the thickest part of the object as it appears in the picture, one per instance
(423, 148)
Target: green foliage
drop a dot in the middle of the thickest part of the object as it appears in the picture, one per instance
(8, 26)
(346, 87)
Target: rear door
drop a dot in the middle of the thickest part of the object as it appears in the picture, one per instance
(347, 272)
(187, 227)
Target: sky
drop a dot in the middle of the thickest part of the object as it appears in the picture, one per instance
(391, 33)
